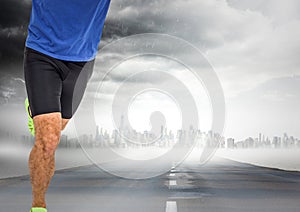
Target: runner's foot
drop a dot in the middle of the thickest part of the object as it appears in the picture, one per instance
(38, 210)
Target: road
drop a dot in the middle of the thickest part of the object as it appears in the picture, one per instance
(219, 186)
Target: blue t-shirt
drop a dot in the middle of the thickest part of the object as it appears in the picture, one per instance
(67, 29)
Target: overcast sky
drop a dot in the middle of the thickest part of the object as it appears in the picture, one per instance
(253, 45)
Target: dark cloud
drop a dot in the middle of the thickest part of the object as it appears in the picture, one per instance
(14, 17)
(115, 29)
(12, 45)
(14, 13)
(135, 16)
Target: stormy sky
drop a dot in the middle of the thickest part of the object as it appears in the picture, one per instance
(253, 45)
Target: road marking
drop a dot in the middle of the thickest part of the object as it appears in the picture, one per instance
(171, 206)
(172, 183)
(172, 175)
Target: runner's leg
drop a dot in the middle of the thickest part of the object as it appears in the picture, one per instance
(44, 86)
(51, 86)
(42, 156)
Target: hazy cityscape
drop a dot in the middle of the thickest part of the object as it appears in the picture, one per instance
(167, 138)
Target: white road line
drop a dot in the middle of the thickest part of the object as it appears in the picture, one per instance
(171, 206)
(172, 175)
(172, 183)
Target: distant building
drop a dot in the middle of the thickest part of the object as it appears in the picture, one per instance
(249, 143)
(230, 143)
(275, 142)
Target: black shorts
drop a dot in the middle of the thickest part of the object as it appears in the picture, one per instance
(54, 85)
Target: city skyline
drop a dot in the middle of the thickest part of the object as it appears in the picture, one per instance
(106, 138)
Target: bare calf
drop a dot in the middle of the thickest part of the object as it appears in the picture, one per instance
(42, 156)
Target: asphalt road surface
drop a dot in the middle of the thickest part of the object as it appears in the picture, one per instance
(219, 186)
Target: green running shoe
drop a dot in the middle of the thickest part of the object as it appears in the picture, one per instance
(38, 210)
(30, 120)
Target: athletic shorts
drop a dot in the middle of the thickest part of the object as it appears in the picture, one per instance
(54, 85)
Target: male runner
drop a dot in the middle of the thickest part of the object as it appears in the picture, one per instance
(62, 42)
